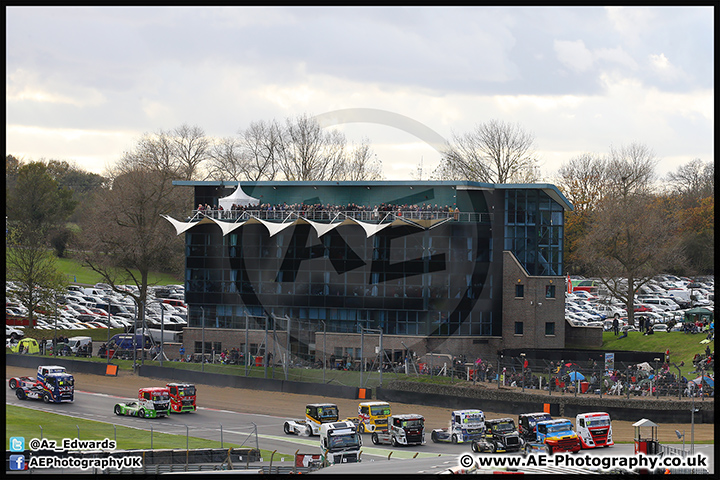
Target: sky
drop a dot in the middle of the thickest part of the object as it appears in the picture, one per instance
(83, 84)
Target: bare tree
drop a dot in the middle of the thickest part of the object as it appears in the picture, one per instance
(584, 181)
(631, 170)
(361, 164)
(695, 179)
(310, 153)
(191, 148)
(495, 152)
(630, 239)
(124, 236)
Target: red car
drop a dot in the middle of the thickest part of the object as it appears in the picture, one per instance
(641, 308)
(22, 382)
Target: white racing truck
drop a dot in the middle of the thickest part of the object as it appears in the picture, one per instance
(340, 442)
(407, 429)
(594, 429)
(465, 426)
(315, 415)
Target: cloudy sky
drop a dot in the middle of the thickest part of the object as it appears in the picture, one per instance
(83, 84)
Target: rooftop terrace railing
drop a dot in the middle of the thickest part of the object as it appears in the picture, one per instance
(332, 216)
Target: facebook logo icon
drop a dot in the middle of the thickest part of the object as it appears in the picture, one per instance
(17, 462)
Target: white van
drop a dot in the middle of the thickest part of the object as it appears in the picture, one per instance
(661, 304)
(76, 342)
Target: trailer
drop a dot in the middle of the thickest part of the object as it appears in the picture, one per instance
(315, 415)
(407, 429)
(465, 426)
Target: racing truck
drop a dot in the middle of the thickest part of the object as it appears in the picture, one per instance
(407, 429)
(55, 388)
(182, 397)
(465, 426)
(554, 436)
(527, 423)
(315, 415)
(340, 442)
(152, 402)
(42, 371)
(500, 436)
(372, 416)
(594, 429)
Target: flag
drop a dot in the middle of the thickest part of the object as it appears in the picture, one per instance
(569, 284)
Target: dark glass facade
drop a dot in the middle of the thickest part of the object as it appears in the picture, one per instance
(432, 279)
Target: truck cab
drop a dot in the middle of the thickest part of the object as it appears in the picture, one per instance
(315, 415)
(340, 442)
(502, 435)
(527, 423)
(44, 370)
(557, 435)
(373, 416)
(58, 388)
(155, 398)
(182, 397)
(465, 426)
(594, 429)
(407, 429)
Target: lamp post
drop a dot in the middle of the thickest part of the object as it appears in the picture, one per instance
(362, 359)
(522, 359)
(657, 390)
(324, 338)
(202, 360)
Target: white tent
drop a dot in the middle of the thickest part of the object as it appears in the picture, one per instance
(238, 197)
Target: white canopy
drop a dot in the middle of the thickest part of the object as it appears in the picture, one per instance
(238, 197)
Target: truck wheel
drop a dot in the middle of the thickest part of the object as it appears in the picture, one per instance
(286, 428)
(361, 428)
(453, 439)
(141, 413)
(375, 438)
(393, 441)
(13, 383)
(433, 437)
(118, 410)
(474, 447)
(308, 431)
(20, 393)
(548, 449)
(493, 447)
(46, 397)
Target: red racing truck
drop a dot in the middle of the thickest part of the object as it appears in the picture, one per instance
(182, 397)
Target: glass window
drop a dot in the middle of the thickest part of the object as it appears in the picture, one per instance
(549, 291)
(550, 328)
(518, 328)
(519, 290)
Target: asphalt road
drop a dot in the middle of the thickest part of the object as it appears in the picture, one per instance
(238, 428)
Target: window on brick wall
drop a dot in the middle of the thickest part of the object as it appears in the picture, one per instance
(518, 328)
(549, 328)
(549, 291)
(519, 291)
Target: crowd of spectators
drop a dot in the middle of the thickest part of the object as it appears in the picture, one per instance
(320, 211)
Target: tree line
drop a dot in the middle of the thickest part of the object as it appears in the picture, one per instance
(624, 227)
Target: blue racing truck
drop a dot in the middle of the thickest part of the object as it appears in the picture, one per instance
(53, 385)
(465, 426)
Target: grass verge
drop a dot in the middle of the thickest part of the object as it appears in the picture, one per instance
(29, 423)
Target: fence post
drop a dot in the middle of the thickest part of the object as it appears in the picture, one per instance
(221, 436)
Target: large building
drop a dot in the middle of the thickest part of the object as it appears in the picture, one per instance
(448, 267)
